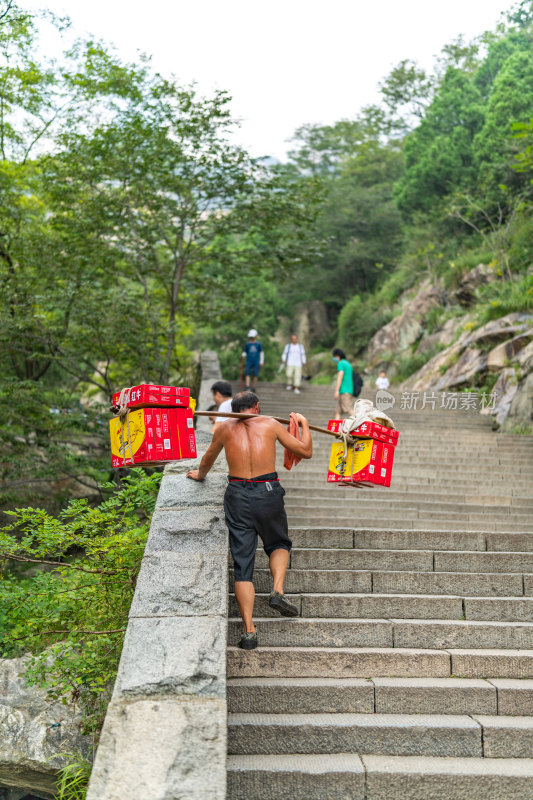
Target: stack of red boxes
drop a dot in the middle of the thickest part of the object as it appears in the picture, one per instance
(370, 458)
(158, 427)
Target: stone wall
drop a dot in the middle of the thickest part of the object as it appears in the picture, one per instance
(164, 736)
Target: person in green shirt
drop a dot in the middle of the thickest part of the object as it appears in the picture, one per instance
(344, 385)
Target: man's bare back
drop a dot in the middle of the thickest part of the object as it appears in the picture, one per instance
(250, 446)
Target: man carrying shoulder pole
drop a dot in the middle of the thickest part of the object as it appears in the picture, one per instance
(253, 502)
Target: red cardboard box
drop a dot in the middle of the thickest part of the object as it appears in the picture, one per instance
(158, 435)
(373, 452)
(142, 439)
(174, 434)
(377, 431)
(387, 459)
(372, 430)
(147, 394)
(185, 438)
(366, 462)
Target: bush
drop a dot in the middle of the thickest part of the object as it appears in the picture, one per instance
(72, 617)
(503, 297)
(408, 365)
(359, 320)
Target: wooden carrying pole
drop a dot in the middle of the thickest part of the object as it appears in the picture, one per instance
(251, 416)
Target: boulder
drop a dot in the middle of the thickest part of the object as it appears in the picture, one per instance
(430, 375)
(521, 408)
(465, 294)
(442, 337)
(309, 321)
(36, 733)
(404, 330)
(466, 371)
(498, 330)
(501, 355)
(504, 392)
(525, 358)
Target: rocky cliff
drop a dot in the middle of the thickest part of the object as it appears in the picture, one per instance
(495, 358)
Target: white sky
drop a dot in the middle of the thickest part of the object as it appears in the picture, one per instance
(285, 62)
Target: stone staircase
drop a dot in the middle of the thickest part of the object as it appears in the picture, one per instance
(409, 673)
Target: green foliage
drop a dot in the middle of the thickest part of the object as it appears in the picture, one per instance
(502, 297)
(439, 154)
(408, 365)
(72, 616)
(522, 429)
(73, 780)
(359, 320)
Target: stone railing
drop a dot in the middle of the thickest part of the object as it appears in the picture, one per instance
(164, 734)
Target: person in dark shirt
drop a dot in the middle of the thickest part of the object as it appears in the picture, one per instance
(254, 354)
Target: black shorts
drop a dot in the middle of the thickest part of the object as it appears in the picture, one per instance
(255, 507)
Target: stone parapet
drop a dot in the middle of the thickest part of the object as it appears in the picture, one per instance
(165, 732)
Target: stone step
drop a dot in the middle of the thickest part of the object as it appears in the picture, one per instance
(412, 482)
(298, 777)
(387, 493)
(360, 521)
(400, 606)
(410, 560)
(383, 734)
(401, 539)
(346, 506)
(382, 695)
(340, 662)
(377, 695)
(305, 662)
(435, 634)
(464, 584)
(350, 777)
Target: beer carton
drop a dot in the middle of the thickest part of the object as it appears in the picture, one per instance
(139, 446)
(147, 394)
(369, 460)
(174, 434)
(185, 438)
(157, 435)
(366, 462)
(338, 464)
(387, 459)
(376, 431)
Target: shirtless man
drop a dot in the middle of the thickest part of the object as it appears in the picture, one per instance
(253, 502)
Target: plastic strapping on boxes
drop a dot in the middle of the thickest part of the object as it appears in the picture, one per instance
(363, 411)
(124, 414)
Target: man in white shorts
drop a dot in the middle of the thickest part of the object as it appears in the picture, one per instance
(294, 358)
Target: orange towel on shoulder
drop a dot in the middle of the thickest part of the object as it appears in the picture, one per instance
(294, 429)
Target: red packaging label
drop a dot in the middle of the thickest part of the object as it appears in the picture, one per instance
(369, 461)
(150, 395)
(387, 460)
(366, 464)
(371, 430)
(158, 435)
(183, 437)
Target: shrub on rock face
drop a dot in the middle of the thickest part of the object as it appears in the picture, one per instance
(70, 616)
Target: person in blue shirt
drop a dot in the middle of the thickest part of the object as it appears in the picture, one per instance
(344, 384)
(255, 357)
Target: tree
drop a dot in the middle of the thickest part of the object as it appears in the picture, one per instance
(439, 155)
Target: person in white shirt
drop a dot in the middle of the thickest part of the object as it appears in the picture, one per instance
(382, 382)
(222, 395)
(294, 358)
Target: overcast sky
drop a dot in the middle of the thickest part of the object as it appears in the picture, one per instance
(285, 62)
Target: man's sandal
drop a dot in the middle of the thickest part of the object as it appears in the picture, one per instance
(280, 603)
(248, 641)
